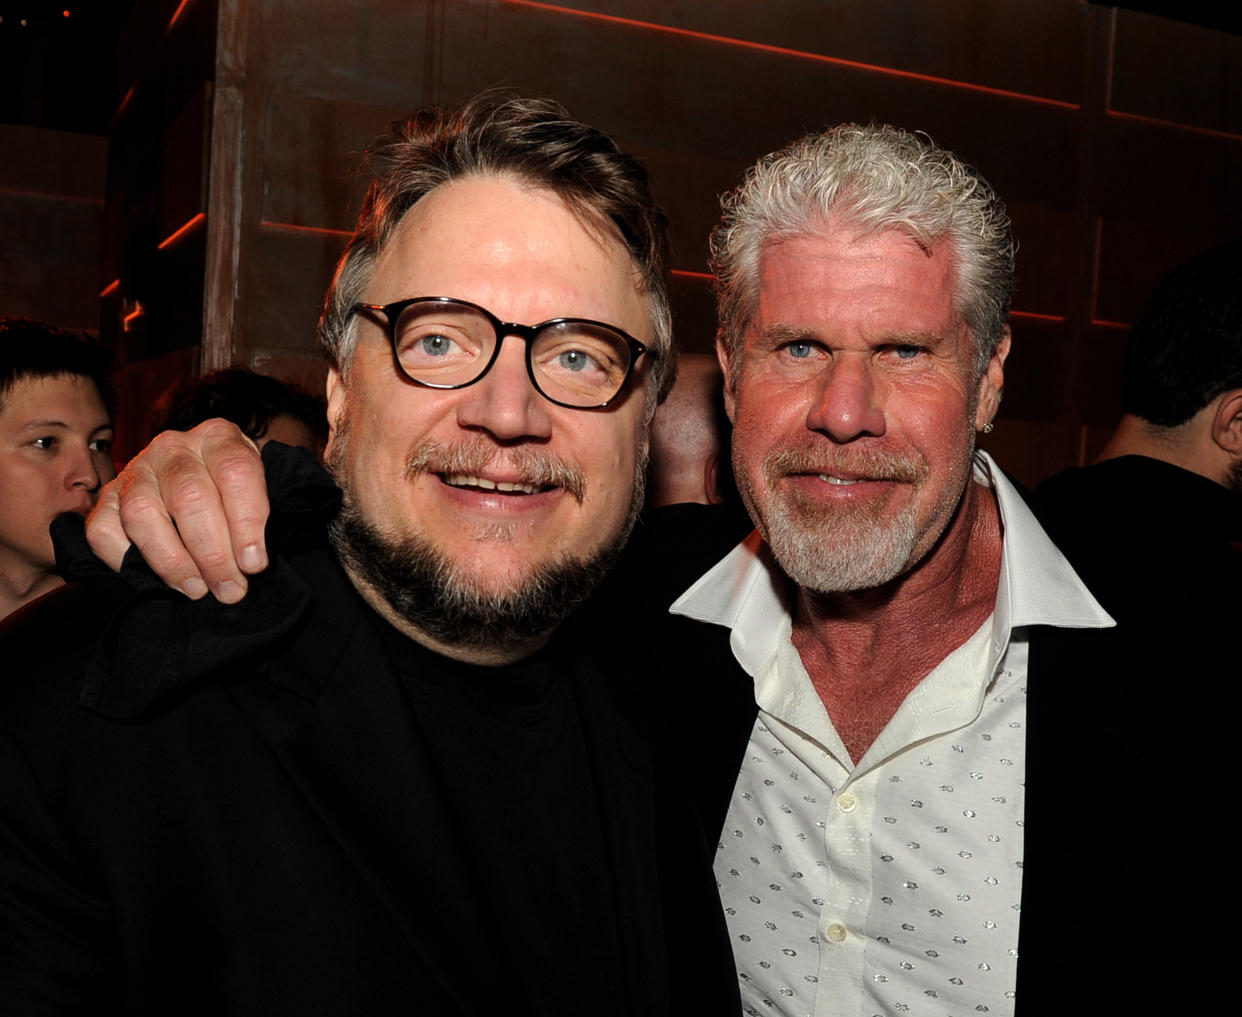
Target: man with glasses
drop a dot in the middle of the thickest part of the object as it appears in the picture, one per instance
(392, 782)
(904, 819)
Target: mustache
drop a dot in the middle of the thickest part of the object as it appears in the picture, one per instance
(472, 457)
(869, 463)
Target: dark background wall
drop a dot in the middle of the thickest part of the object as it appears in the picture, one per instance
(235, 128)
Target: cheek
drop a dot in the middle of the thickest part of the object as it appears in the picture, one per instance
(767, 417)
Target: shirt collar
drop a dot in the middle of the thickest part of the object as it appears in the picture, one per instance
(747, 592)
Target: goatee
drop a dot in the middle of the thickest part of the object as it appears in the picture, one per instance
(840, 548)
(426, 588)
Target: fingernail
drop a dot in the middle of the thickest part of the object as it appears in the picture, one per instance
(194, 588)
(252, 558)
(229, 592)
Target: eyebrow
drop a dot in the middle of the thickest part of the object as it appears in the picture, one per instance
(790, 333)
(39, 425)
(786, 333)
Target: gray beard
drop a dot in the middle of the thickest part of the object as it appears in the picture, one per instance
(859, 553)
(848, 548)
(425, 588)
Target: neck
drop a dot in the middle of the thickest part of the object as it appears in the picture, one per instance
(490, 655)
(865, 650)
(1187, 446)
(20, 587)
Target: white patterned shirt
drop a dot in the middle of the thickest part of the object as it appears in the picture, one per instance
(893, 886)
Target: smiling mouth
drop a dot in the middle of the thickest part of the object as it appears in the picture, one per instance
(842, 481)
(502, 486)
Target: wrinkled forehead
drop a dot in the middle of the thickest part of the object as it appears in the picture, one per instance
(498, 222)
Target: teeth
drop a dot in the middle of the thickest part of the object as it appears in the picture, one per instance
(461, 480)
(838, 481)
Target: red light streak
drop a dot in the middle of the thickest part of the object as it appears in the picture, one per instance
(800, 54)
(1176, 125)
(133, 316)
(125, 101)
(681, 273)
(1036, 316)
(111, 288)
(15, 192)
(176, 235)
(177, 13)
(293, 228)
(1104, 323)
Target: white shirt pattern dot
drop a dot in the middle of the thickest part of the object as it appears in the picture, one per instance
(893, 886)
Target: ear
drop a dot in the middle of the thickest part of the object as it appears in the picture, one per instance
(992, 383)
(722, 356)
(335, 392)
(711, 479)
(1227, 423)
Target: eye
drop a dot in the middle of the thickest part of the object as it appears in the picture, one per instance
(907, 352)
(436, 345)
(46, 443)
(102, 446)
(576, 361)
(801, 349)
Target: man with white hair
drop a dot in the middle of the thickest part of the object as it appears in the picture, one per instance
(888, 606)
(899, 819)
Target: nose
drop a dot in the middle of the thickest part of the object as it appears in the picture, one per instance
(847, 404)
(504, 402)
(84, 471)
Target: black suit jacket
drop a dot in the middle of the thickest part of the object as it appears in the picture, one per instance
(1123, 895)
(241, 812)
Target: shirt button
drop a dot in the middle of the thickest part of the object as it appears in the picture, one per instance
(836, 932)
(847, 801)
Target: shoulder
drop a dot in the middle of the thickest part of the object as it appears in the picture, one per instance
(675, 545)
(47, 646)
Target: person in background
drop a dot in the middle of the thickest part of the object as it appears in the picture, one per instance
(690, 438)
(1155, 524)
(265, 408)
(55, 447)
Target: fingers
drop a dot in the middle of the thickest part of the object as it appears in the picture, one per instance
(195, 505)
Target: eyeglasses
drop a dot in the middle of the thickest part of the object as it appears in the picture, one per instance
(445, 343)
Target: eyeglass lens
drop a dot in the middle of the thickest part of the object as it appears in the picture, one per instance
(444, 344)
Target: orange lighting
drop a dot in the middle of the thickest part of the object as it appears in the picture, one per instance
(292, 228)
(177, 13)
(801, 54)
(45, 195)
(125, 101)
(1104, 323)
(176, 235)
(1034, 316)
(133, 316)
(1176, 125)
(111, 288)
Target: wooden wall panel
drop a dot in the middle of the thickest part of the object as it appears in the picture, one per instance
(971, 43)
(51, 216)
(1115, 138)
(1178, 73)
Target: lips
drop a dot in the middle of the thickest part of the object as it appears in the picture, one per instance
(503, 486)
(841, 467)
(485, 466)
